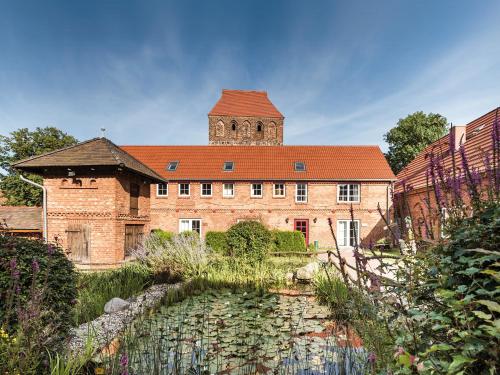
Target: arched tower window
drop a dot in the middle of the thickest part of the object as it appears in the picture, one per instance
(271, 130)
(219, 129)
(259, 126)
(233, 125)
(245, 129)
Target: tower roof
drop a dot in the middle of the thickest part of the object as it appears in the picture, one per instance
(245, 103)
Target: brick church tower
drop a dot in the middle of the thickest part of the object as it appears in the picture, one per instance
(245, 118)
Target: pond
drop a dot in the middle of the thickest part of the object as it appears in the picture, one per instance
(242, 332)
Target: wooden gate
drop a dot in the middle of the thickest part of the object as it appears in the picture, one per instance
(133, 237)
(78, 242)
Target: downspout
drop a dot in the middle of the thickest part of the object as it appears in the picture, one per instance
(390, 187)
(44, 203)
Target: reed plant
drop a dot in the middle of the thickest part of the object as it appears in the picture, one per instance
(97, 288)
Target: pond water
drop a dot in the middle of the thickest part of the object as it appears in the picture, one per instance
(242, 332)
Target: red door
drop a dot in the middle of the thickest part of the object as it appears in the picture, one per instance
(302, 225)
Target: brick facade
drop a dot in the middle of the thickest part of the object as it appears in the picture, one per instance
(244, 130)
(218, 213)
(101, 205)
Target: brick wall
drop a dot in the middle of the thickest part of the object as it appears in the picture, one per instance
(220, 131)
(219, 213)
(99, 203)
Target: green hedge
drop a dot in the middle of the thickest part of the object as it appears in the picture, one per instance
(288, 241)
(217, 241)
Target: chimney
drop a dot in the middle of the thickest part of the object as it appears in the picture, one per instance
(457, 136)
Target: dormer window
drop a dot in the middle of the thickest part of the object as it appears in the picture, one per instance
(172, 166)
(228, 166)
(300, 166)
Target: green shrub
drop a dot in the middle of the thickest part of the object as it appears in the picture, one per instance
(455, 304)
(37, 293)
(217, 241)
(163, 234)
(97, 288)
(249, 239)
(30, 266)
(288, 241)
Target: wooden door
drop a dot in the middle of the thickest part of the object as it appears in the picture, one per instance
(133, 237)
(78, 242)
(302, 225)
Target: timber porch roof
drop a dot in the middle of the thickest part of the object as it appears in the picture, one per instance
(91, 153)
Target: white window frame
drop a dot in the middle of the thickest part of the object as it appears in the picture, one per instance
(348, 194)
(297, 192)
(211, 189)
(158, 190)
(339, 237)
(189, 189)
(224, 195)
(189, 224)
(261, 190)
(274, 190)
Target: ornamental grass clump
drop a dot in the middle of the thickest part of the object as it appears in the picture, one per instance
(183, 256)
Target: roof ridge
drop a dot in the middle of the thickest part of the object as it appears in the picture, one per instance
(110, 143)
(111, 147)
(252, 146)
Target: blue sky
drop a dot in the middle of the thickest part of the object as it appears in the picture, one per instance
(342, 72)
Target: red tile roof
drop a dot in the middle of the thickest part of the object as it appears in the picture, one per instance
(478, 141)
(245, 103)
(266, 162)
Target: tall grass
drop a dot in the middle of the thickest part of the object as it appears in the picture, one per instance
(97, 288)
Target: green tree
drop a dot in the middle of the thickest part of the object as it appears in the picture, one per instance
(21, 144)
(411, 135)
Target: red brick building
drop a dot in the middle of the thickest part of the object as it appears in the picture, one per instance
(98, 204)
(415, 180)
(246, 173)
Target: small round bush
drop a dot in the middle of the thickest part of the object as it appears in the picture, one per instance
(31, 271)
(249, 239)
(217, 241)
(163, 234)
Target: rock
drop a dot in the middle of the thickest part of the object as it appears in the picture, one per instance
(307, 272)
(289, 276)
(115, 304)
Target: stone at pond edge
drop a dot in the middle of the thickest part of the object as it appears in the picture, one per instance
(115, 304)
(307, 272)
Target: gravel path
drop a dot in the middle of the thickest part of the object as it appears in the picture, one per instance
(108, 326)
